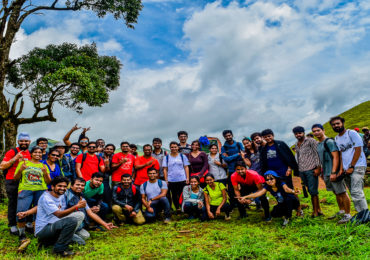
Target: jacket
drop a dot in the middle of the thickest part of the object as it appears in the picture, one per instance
(284, 153)
(123, 197)
(186, 192)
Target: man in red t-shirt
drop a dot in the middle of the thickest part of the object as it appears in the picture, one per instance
(246, 182)
(9, 164)
(89, 163)
(122, 163)
(143, 163)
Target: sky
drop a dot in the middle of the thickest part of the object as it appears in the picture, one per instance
(205, 66)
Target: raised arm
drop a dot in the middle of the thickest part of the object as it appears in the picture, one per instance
(68, 135)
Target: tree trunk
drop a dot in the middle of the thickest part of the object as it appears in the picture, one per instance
(8, 130)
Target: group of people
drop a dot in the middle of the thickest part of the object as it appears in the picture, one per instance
(70, 188)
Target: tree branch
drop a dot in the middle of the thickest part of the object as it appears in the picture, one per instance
(20, 109)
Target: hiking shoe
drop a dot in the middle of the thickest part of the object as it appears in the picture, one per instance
(336, 215)
(268, 219)
(64, 253)
(79, 240)
(24, 242)
(14, 231)
(285, 222)
(167, 221)
(346, 218)
(227, 218)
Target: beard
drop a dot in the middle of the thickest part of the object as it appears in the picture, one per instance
(339, 129)
(23, 147)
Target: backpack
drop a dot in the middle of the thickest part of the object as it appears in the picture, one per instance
(326, 147)
(160, 184)
(133, 188)
(15, 150)
(84, 158)
(181, 155)
(362, 217)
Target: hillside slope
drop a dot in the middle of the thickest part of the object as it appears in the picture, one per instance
(358, 116)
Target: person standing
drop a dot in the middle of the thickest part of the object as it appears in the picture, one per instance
(33, 178)
(65, 161)
(82, 140)
(366, 139)
(159, 154)
(122, 163)
(176, 173)
(89, 163)
(330, 164)
(9, 164)
(277, 156)
(142, 164)
(353, 161)
(43, 143)
(198, 162)
(308, 166)
(184, 147)
(217, 165)
(251, 156)
(53, 164)
(107, 157)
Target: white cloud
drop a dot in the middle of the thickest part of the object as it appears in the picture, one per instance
(265, 65)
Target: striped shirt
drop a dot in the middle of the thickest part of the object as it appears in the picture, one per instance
(307, 156)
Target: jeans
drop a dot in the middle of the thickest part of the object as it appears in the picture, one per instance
(285, 209)
(157, 206)
(355, 184)
(60, 233)
(26, 198)
(107, 195)
(311, 181)
(103, 206)
(246, 190)
(175, 188)
(11, 187)
(225, 208)
(195, 211)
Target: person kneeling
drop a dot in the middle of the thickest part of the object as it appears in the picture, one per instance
(153, 196)
(127, 202)
(216, 198)
(193, 200)
(285, 196)
(73, 197)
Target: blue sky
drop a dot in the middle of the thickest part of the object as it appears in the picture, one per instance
(204, 66)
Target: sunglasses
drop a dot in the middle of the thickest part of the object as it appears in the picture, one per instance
(54, 155)
(269, 179)
(92, 147)
(84, 141)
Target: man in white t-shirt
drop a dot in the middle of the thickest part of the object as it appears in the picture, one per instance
(353, 160)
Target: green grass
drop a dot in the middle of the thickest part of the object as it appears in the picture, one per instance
(358, 116)
(249, 238)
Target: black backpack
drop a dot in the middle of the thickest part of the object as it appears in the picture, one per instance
(84, 158)
(362, 217)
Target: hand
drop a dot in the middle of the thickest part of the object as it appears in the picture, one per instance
(242, 154)
(149, 203)
(200, 204)
(95, 209)
(149, 163)
(349, 171)
(150, 210)
(18, 156)
(317, 171)
(129, 208)
(218, 163)
(333, 177)
(44, 170)
(133, 214)
(23, 167)
(75, 128)
(296, 191)
(187, 181)
(86, 129)
(123, 160)
(218, 212)
(109, 226)
(225, 154)
(288, 172)
(21, 215)
(81, 204)
(210, 215)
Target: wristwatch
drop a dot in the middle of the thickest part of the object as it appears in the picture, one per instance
(351, 167)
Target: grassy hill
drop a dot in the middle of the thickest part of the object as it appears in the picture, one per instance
(358, 116)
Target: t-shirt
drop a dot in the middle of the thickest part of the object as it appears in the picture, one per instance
(90, 166)
(47, 205)
(325, 158)
(152, 189)
(346, 144)
(185, 149)
(91, 192)
(9, 155)
(57, 171)
(142, 174)
(32, 177)
(125, 168)
(215, 196)
(252, 178)
(160, 157)
(175, 165)
(255, 162)
(198, 164)
(274, 162)
(280, 194)
(217, 171)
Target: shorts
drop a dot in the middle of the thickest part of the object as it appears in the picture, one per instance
(336, 187)
(311, 181)
(26, 199)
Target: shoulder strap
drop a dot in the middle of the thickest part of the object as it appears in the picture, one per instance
(167, 158)
(160, 184)
(182, 159)
(326, 147)
(99, 159)
(133, 188)
(145, 184)
(15, 150)
(83, 159)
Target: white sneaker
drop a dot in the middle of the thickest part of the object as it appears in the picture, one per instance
(286, 222)
(346, 218)
(339, 213)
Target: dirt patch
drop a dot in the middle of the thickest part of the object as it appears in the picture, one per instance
(297, 183)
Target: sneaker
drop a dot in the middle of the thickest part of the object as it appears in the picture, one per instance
(268, 219)
(14, 231)
(64, 253)
(167, 221)
(346, 218)
(339, 213)
(24, 242)
(227, 218)
(79, 240)
(285, 222)
(301, 214)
